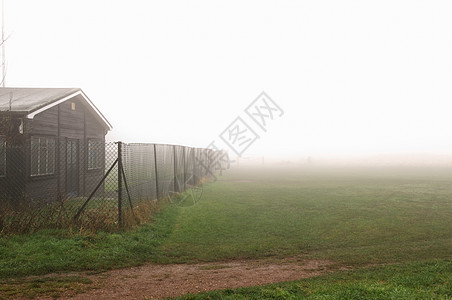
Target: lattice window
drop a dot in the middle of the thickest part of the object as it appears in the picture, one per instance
(42, 156)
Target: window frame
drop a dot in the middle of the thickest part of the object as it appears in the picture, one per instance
(94, 153)
(49, 160)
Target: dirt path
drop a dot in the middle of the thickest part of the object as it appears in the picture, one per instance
(159, 281)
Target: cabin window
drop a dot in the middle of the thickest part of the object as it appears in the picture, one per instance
(42, 156)
(95, 150)
(2, 156)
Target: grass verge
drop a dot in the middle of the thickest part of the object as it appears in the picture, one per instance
(54, 287)
(49, 251)
(419, 280)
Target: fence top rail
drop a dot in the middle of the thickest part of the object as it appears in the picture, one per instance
(162, 144)
(151, 144)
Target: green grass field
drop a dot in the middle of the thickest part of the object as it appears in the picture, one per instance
(398, 221)
(353, 216)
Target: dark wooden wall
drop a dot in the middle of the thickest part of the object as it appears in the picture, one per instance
(63, 122)
(13, 184)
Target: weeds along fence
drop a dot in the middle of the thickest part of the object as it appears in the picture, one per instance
(96, 185)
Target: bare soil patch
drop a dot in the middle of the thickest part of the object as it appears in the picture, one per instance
(160, 281)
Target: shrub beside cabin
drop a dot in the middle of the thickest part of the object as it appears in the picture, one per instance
(52, 143)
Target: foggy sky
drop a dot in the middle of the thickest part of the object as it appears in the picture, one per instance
(353, 77)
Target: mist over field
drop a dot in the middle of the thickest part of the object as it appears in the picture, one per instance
(381, 160)
(350, 78)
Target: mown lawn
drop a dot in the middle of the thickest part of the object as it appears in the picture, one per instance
(352, 216)
(398, 220)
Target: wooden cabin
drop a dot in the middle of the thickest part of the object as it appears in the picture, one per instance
(52, 143)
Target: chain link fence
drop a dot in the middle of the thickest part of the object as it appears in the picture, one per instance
(95, 185)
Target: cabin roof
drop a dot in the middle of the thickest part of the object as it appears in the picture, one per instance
(31, 101)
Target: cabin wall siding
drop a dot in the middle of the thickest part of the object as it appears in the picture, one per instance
(93, 130)
(45, 123)
(72, 121)
(41, 188)
(64, 123)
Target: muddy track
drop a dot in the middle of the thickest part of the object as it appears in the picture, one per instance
(160, 281)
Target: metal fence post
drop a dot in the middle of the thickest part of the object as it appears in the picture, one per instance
(185, 179)
(175, 170)
(120, 184)
(220, 160)
(193, 162)
(156, 173)
(206, 163)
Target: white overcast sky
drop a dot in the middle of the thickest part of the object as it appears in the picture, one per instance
(353, 77)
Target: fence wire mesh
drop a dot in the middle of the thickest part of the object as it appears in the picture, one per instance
(95, 185)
